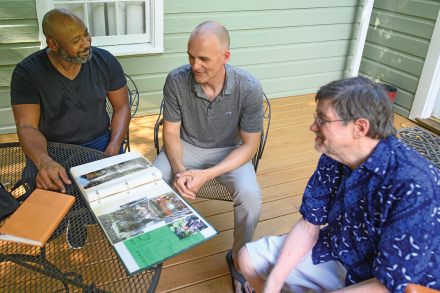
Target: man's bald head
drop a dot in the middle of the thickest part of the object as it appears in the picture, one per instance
(56, 19)
(212, 27)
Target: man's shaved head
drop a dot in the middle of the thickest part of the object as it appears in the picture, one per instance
(56, 19)
(212, 27)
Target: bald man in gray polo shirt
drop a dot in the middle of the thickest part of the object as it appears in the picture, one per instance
(213, 118)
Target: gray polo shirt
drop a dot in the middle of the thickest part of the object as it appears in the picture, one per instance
(206, 124)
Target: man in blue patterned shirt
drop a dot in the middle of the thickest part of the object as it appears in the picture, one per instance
(379, 197)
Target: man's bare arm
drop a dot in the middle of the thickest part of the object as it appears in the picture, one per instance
(120, 119)
(235, 159)
(371, 285)
(174, 151)
(34, 145)
(297, 244)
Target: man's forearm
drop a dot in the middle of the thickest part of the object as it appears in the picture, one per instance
(119, 126)
(34, 145)
(371, 285)
(297, 244)
(174, 151)
(233, 160)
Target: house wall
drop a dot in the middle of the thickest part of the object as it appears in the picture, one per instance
(396, 46)
(291, 46)
(18, 39)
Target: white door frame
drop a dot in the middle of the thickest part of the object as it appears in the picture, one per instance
(362, 35)
(429, 83)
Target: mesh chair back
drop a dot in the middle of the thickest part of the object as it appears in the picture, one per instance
(133, 98)
(213, 189)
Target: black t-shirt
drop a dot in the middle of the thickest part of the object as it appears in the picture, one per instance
(72, 111)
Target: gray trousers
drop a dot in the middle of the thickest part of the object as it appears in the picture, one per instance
(242, 185)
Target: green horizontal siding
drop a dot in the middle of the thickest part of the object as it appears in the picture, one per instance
(11, 54)
(396, 46)
(202, 6)
(245, 20)
(17, 10)
(422, 9)
(401, 23)
(17, 32)
(270, 37)
(19, 37)
(397, 59)
(5, 97)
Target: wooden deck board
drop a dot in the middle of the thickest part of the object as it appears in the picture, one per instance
(287, 164)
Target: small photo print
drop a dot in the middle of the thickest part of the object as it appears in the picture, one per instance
(110, 173)
(172, 208)
(131, 219)
(188, 226)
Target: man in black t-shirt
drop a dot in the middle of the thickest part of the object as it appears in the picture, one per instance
(58, 94)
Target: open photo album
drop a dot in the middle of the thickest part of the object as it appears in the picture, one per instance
(143, 218)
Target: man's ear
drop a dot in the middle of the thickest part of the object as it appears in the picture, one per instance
(52, 44)
(226, 56)
(361, 127)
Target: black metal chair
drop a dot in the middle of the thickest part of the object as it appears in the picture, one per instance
(212, 189)
(133, 97)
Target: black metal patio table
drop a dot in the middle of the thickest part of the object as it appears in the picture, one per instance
(56, 267)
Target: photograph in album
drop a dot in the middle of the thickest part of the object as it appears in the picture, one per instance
(131, 219)
(172, 207)
(187, 227)
(110, 173)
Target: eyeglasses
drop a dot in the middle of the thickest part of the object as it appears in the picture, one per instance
(320, 122)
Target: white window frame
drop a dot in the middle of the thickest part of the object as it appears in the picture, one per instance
(155, 32)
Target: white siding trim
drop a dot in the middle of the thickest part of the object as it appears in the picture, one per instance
(42, 8)
(360, 41)
(429, 83)
(155, 44)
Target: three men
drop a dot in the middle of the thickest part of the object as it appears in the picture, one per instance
(58, 94)
(379, 197)
(213, 118)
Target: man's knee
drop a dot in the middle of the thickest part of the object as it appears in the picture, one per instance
(242, 258)
(244, 261)
(161, 162)
(247, 193)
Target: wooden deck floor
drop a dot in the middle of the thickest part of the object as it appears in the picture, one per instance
(288, 162)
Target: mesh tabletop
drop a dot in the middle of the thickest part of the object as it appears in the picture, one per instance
(57, 267)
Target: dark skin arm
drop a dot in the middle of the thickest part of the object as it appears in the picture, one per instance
(34, 145)
(51, 174)
(120, 119)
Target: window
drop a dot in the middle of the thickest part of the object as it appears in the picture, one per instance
(123, 27)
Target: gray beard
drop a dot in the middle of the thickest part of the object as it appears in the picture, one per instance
(78, 59)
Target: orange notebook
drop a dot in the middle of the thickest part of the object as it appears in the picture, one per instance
(36, 219)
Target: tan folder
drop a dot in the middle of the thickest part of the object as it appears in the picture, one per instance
(36, 219)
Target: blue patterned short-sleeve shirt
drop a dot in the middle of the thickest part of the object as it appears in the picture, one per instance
(383, 217)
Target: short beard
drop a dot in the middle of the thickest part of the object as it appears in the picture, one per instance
(78, 59)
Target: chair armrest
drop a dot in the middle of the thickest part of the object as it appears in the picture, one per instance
(414, 288)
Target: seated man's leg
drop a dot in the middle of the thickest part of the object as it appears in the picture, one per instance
(192, 159)
(243, 186)
(260, 257)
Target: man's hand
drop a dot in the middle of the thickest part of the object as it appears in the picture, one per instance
(49, 176)
(181, 186)
(198, 178)
(112, 149)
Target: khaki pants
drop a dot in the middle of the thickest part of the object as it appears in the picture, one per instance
(242, 185)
